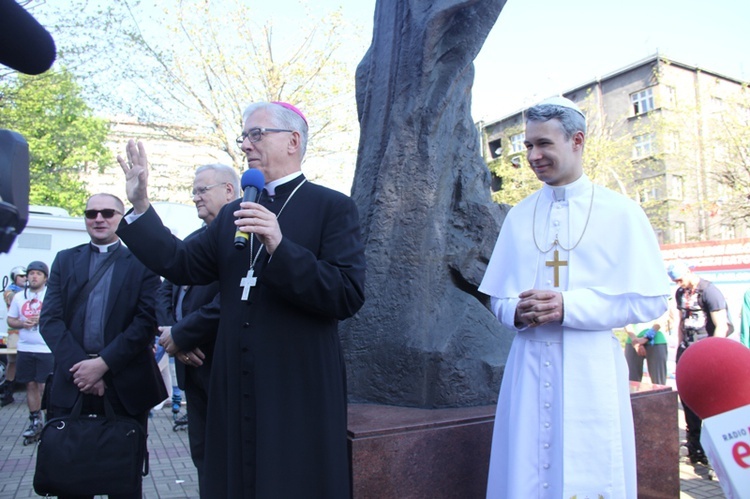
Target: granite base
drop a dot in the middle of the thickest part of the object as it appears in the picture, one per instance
(404, 453)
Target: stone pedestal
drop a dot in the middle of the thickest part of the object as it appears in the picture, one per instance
(657, 440)
(403, 453)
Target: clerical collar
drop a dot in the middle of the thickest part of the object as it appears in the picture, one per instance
(271, 186)
(561, 193)
(105, 248)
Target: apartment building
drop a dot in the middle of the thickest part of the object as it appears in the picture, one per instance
(661, 132)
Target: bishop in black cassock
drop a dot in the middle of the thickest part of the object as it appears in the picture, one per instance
(277, 398)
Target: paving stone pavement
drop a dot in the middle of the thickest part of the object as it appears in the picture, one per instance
(171, 474)
(694, 478)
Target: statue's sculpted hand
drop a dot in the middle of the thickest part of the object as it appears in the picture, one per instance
(136, 175)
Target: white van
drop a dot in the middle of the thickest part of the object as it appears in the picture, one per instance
(50, 229)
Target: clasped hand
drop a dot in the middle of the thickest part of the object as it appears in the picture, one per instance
(539, 307)
(88, 374)
(192, 358)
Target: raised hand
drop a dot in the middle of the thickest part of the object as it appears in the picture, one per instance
(136, 175)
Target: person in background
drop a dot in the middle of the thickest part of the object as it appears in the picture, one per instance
(187, 319)
(17, 283)
(34, 362)
(703, 313)
(745, 320)
(563, 279)
(649, 344)
(99, 321)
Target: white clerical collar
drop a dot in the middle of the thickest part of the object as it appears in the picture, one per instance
(563, 192)
(106, 248)
(271, 186)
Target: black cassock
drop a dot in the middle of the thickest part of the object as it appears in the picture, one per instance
(277, 399)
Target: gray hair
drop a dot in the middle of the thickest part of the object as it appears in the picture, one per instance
(225, 172)
(571, 120)
(281, 117)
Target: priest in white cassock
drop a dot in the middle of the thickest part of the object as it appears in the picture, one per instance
(573, 261)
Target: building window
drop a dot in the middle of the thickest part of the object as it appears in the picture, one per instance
(496, 148)
(659, 236)
(676, 187)
(516, 143)
(727, 231)
(642, 101)
(717, 104)
(672, 142)
(678, 233)
(649, 194)
(668, 96)
(644, 145)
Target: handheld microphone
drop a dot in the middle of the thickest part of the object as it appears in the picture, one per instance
(713, 379)
(252, 183)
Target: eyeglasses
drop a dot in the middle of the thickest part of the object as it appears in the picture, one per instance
(202, 190)
(106, 213)
(255, 134)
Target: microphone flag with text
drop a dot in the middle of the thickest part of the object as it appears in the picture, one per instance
(713, 379)
(252, 183)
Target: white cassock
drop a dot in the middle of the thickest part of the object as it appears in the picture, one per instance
(564, 425)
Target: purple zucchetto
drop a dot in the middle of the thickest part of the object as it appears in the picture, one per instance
(291, 108)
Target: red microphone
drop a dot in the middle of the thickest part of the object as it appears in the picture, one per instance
(713, 379)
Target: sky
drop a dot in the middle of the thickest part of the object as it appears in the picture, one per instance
(539, 48)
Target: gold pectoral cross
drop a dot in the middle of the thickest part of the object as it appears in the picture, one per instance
(557, 263)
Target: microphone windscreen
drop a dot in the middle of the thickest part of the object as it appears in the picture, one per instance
(713, 376)
(24, 44)
(253, 178)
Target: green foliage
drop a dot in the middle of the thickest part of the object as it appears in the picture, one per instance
(64, 138)
(729, 150)
(606, 160)
(517, 180)
(198, 64)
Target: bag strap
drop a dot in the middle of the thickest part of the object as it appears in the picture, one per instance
(109, 411)
(91, 284)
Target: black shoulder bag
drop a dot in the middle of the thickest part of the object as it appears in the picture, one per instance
(90, 454)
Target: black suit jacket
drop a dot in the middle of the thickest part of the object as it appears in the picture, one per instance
(129, 330)
(200, 321)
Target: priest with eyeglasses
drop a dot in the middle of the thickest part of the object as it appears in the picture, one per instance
(277, 406)
(573, 261)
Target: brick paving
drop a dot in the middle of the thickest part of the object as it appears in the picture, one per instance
(172, 474)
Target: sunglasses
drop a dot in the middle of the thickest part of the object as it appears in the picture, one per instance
(106, 213)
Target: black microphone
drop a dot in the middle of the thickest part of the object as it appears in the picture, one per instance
(24, 44)
(252, 183)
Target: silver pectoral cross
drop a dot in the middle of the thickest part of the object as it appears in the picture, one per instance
(247, 283)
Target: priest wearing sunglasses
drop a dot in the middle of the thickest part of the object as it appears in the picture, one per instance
(99, 321)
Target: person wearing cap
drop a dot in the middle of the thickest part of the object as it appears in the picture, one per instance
(34, 361)
(573, 261)
(277, 407)
(99, 321)
(17, 283)
(703, 312)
